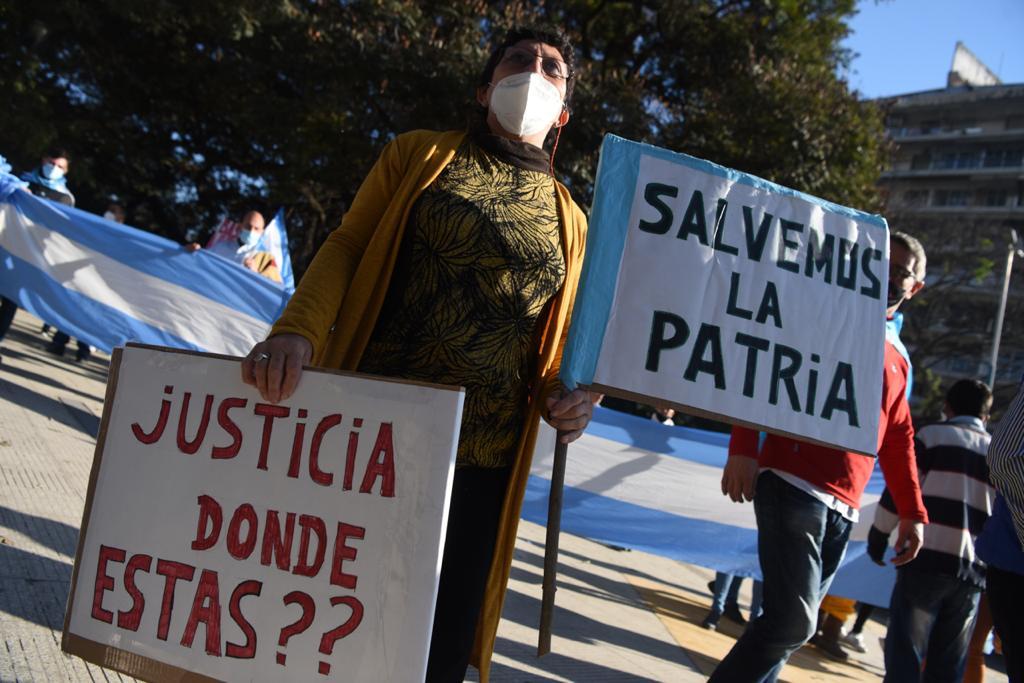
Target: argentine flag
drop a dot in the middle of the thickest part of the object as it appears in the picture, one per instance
(634, 483)
(107, 284)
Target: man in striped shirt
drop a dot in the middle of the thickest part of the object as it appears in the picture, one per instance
(936, 595)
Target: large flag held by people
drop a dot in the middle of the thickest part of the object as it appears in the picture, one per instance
(107, 284)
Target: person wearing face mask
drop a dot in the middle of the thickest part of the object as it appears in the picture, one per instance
(807, 498)
(48, 181)
(246, 249)
(457, 263)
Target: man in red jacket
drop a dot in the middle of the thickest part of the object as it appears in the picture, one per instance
(806, 499)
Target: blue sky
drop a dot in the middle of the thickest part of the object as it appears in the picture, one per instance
(907, 45)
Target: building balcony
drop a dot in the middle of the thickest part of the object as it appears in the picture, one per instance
(970, 173)
(905, 136)
(986, 212)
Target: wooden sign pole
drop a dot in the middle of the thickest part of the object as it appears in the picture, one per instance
(547, 607)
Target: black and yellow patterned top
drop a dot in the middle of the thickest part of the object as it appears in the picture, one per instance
(480, 259)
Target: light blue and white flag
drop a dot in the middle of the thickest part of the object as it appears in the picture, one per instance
(107, 284)
(275, 240)
(638, 484)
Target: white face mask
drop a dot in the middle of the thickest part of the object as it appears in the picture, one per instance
(52, 171)
(109, 215)
(526, 103)
(249, 238)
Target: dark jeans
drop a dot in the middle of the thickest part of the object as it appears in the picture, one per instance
(1005, 601)
(7, 310)
(800, 543)
(930, 619)
(477, 497)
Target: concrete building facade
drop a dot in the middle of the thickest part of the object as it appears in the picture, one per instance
(956, 181)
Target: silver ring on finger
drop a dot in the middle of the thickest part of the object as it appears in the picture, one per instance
(262, 357)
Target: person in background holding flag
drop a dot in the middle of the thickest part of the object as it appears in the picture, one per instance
(246, 246)
(457, 263)
(49, 181)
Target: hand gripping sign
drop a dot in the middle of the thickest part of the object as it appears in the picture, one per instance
(726, 295)
(229, 538)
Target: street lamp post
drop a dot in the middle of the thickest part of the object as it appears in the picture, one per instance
(1012, 249)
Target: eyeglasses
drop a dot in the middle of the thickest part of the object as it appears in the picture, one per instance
(524, 59)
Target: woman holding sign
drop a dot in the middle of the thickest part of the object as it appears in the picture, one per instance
(457, 263)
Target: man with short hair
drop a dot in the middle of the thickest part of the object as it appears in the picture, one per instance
(807, 500)
(936, 596)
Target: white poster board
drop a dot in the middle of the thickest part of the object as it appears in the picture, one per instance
(259, 542)
(727, 295)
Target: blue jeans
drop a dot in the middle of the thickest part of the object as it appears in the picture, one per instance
(726, 592)
(930, 620)
(727, 589)
(800, 543)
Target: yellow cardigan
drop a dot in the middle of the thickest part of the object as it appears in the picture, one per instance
(336, 305)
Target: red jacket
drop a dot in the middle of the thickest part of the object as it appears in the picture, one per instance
(845, 474)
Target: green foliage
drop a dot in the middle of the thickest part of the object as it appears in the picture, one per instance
(187, 111)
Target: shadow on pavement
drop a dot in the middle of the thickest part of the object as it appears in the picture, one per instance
(78, 418)
(33, 587)
(562, 666)
(57, 536)
(575, 626)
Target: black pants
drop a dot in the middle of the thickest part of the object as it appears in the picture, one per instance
(7, 310)
(1006, 602)
(61, 339)
(477, 497)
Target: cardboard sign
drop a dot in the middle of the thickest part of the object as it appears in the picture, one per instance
(726, 295)
(229, 538)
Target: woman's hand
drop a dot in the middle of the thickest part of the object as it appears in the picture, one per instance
(274, 366)
(571, 413)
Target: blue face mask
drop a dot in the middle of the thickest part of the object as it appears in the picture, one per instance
(52, 171)
(249, 238)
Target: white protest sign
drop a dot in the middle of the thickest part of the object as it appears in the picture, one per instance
(240, 540)
(725, 294)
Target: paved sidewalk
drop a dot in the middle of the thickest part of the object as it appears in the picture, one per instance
(620, 616)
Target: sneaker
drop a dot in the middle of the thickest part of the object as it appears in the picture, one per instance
(711, 620)
(855, 641)
(54, 349)
(732, 613)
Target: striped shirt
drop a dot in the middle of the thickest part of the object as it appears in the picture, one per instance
(1006, 460)
(957, 493)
